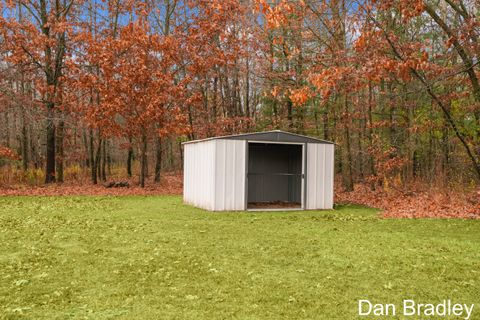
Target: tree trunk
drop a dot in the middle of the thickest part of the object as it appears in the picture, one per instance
(50, 164)
(180, 149)
(23, 115)
(60, 150)
(445, 151)
(34, 157)
(290, 113)
(24, 141)
(7, 129)
(415, 163)
(93, 168)
(129, 157)
(98, 159)
(158, 158)
(360, 154)
(348, 174)
(214, 99)
(109, 159)
(326, 134)
(191, 134)
(143, 169)
(85, 143)
(171, 157)
(370, 131)
(392, 133)
(103, 172)
(247, 88)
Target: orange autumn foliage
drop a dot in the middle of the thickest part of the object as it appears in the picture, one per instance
(9, 154)
(300, 96)
(136, 92)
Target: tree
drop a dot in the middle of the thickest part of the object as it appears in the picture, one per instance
(139, 94)
(40, 41)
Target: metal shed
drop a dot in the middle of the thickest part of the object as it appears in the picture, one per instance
(264, 170)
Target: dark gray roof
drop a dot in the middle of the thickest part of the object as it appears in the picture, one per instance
(272, 136)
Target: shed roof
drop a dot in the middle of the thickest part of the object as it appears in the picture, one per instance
(272, 136)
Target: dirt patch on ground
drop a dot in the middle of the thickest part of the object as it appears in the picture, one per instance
(274, 205)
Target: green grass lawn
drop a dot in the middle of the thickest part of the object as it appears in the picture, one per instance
(155, 258)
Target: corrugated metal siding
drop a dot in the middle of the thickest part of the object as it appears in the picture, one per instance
(230, 175)
(199, 174)
(319, 176)
(215, 172)
(329, 176)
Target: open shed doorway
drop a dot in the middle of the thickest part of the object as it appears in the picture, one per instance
(275, 176)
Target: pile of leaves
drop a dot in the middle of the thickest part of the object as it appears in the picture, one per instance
(419, 202)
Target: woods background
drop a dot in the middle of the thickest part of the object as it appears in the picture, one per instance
(104, 90)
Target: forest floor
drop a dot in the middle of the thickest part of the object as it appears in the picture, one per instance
(171, 184)
(419, 201)
(152, 257)
(416, 202)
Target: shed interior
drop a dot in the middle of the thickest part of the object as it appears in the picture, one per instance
(274, 175)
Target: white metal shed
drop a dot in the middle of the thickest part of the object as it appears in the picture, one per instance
(264, 170)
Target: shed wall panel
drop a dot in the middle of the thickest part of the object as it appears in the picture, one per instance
(230, 175)
(329, 175)
(319, 176)
(199, 174)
